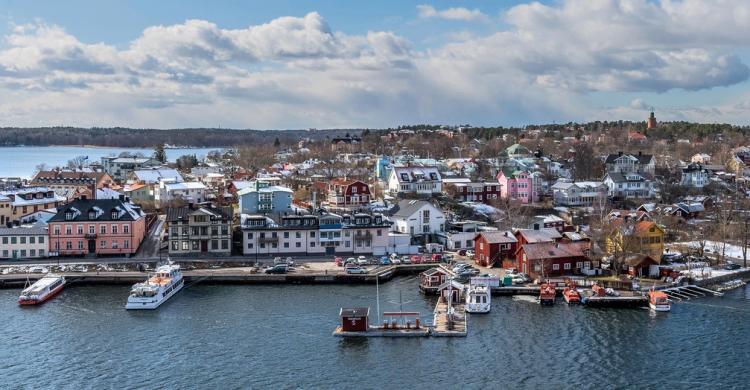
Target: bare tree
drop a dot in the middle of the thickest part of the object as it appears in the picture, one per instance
(77, 163)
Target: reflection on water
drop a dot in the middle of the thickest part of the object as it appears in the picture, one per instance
(280, 336)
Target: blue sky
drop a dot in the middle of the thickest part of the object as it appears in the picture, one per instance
(298, 64)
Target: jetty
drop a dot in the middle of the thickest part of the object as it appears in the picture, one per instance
(449, 320)
(686, 292)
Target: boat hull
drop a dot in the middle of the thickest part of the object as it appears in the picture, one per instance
(45, 298)
(154, 303)
(659, 308)
(572, 299)
(477, 308)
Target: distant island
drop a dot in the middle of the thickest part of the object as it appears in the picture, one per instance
(123, 137)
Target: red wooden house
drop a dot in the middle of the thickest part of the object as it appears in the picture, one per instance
(553, 258)
(493, 247)
(355, 320)
(430, 280)
(348, 193)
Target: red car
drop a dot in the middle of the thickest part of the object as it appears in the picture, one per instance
(416, 259)
(339, 261)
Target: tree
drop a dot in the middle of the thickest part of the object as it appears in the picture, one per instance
(159, 154)
(186, 161)
(586, 165)
(276, 143)
(77, 163)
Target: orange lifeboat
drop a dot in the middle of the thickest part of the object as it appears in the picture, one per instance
(547, 294)
(571, 294)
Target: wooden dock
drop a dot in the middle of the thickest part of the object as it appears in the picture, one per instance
(685, 293)
(374, 331)
(615, 302)
(445, 324)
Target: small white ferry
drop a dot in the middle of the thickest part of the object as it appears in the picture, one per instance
(658, 301)
(478, 299)
(153, 292)
(42, 290)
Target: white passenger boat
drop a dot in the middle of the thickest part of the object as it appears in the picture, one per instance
(42, 290)
(478, 299)
(153, 292)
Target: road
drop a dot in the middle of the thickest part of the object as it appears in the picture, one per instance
(130, 260)
(151, 244)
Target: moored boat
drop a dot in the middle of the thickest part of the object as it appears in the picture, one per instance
(547, 294)
(42, 290)
(658, 301)
(153, 292)
(478, 299)
(571, 294)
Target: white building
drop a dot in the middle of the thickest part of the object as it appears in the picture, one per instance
(23, 243)
(193, 192)
(420, 180)
(694, 175)
(579, 194)
(628, 186)
(155, 175)
(631, 163)
(417, 218)
(120, 167)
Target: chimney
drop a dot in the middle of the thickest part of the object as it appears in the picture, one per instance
(93, 191)
(83, 197)
(640, 153)
(619, 153)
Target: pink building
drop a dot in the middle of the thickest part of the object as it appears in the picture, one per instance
(97, 226)
(516, 185)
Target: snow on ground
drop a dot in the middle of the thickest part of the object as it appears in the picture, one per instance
(709, 272)
(733, 252)
(481, 208)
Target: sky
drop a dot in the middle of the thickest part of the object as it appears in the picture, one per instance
(343, 64)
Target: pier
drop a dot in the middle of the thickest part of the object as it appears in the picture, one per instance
(449, 320)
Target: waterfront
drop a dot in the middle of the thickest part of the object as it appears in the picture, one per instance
(279, 336)
(21, 161)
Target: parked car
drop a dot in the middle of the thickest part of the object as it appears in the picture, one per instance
(384, 260)
(350, 260)
(459, 267)
(288, 261)
(355, 270)
(416, 259)
(339, 261)
(517, 279)
(361, 260)
(731, 266)
(406, 259)
(395, 260)
(511, 271)
(277, 269)
(526, 277)
(462, 252)
(470, 253)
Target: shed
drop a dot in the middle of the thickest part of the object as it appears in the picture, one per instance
(355, 320)
(452, 289)
(642, 266)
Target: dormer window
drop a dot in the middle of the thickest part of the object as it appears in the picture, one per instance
(433, 175)
(115, 214)
(69, 215)
(405, 177)
(92, 214)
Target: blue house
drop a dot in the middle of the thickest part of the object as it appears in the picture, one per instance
(383, 168)
(260, 197)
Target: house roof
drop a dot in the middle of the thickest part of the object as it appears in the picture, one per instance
(619, 177)
(182, 213)
(540, 235)
(408, 207)
(355, 312)
(553, 250)
(156, 175)
(54, 176)
(30, 231)
(498, 237)
(639, 260)
(643, 159)
(103, 209)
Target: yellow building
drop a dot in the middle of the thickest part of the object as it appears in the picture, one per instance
(5, 210)
(644, 237)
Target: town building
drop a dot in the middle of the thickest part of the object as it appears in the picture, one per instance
(644, 237)
(25, 201)
(120, 167)
(628, 185)
(516, 184)
(348, 194)
(548, 221)
(326, 234)
(518, 151)
(97, 227)
(139, 193)
(701, 158)
(579, 194)
(155, 176)
(199, 230)
(260, 197)
(191, 192)
(694, 175)
(414, 179)
(420, 219)
(492, 247)
(6, 210)
(550, 259)
(631, 163)
(460, 235)
(71, 180)
(483, 192)
(23, 243)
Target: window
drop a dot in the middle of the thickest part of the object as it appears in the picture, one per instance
(286, 234)
(196, 245)
(114, 229)
(312, 245)
(380, 232)
(297, 244)
(41, 239)
(103, 244)
(114, 244)
(286, 245)
(185, 245)
(249, 245)
(23, 239)
(556, 267)
(348, 244)
(68, 245)
(92, 229)
(274, 245)
(126, 244)
(312, 234)
(103, 229)
(298, 235)
(57, 230)
(566, 266)
(175, 245)
(126, 229)
(214, 244)
(224, 244)
(262, 245)
(214, 231)
(79, 229)
(579, 264)
(41, 253)
(68, 230)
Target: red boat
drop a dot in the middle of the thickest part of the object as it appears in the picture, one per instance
(547, 294)
(571, 294)
(42, 290)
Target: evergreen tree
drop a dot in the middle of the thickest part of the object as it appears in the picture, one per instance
(276, 142)
(159, 153)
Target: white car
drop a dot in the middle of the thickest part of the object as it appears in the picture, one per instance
(395, 260)
(361, 260)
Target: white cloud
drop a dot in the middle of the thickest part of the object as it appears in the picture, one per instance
(457, 13)
(299, 72)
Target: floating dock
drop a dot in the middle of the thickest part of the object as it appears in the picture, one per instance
(445, 324)
(375, 331)
(609, 301)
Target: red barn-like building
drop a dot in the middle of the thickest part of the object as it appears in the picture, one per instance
(355, 320)
(493, 247)
(348, 193)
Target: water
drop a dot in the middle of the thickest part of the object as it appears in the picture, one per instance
(211, 336)
(21, 161)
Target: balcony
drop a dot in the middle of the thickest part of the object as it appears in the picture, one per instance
(268, 239)
(90, 236)
(363, 236)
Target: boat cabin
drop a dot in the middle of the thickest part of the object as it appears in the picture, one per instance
(430, 280)
(355, 320)
(452, 290)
